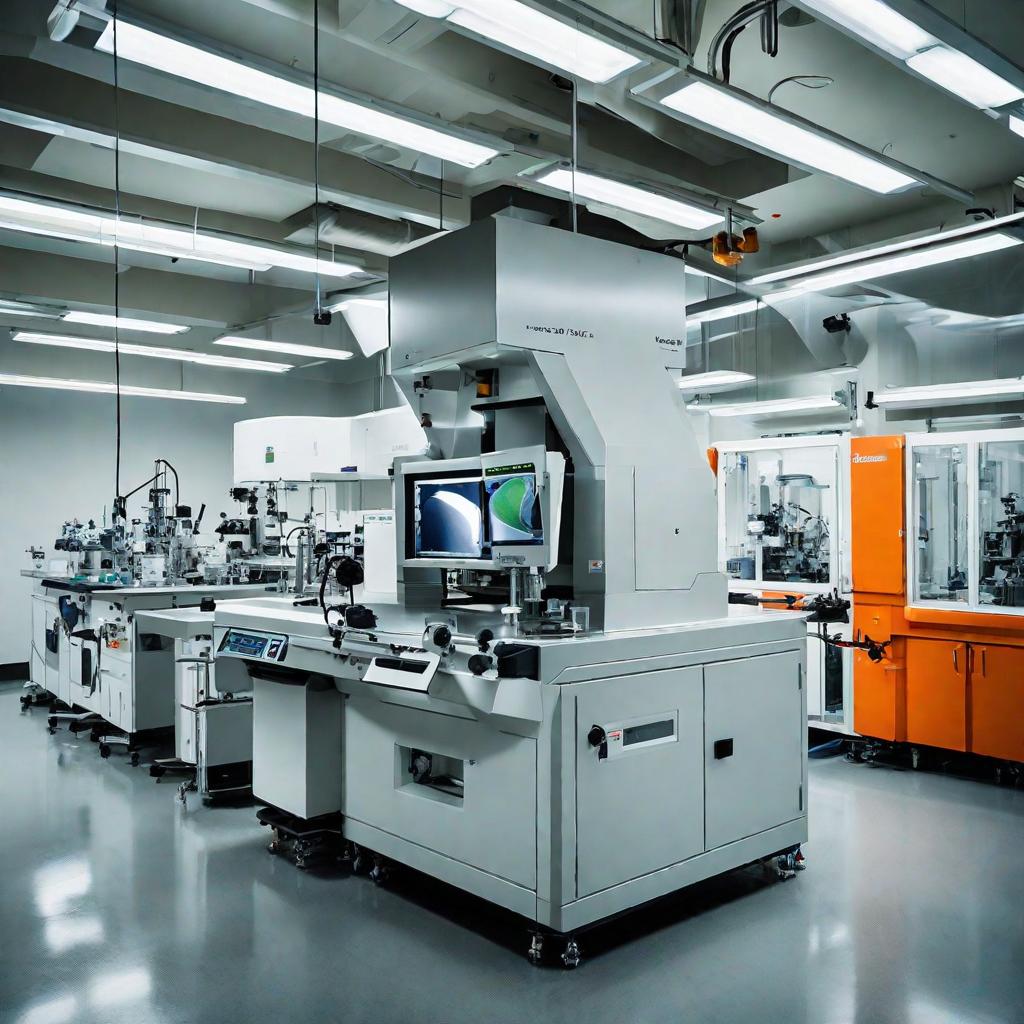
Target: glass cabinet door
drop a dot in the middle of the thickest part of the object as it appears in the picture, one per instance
(779, 510)
(1001, 524)
(939, 528)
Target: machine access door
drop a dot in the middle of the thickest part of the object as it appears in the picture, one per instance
(639, 776)
(754, 743)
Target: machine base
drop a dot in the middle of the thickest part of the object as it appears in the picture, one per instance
(306, 842)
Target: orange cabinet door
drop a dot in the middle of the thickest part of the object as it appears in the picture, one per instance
(997, 701)
(937, 693)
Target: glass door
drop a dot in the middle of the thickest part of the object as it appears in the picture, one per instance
(938, 531)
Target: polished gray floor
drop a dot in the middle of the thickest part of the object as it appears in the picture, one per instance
(117, 904)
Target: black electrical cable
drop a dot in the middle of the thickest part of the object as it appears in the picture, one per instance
(316, 148)
(117, 282)
(177, 486)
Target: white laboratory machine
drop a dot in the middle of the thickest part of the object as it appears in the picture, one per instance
(557, 712)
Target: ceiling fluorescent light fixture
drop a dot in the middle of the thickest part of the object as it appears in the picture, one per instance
(102, 387)
(123, 323)
(1006, 389)
(964, 77)
(258, 345)
(859, 256)
(1017, 124)
(81, 225)
(938, 60)
(183, 60)
(715, 380)
(780, 406)
(707, 316)
(725, 112)
(517, 26)
(150, 351)
(876, 23)
(630, 197)
(897, 264)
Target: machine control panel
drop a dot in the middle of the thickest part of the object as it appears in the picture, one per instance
(243, 643)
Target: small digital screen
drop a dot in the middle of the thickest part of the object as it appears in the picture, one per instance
(513, 510)
(645, 733)
(242, 644)
(449, 519)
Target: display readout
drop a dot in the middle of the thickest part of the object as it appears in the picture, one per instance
(647, 732)
(253, 645)
(518, 467)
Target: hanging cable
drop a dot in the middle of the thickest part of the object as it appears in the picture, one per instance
(117, 281)
(807, 81)
(316, 149)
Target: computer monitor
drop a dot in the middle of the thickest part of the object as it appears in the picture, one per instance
(449, 519)
(495, 511)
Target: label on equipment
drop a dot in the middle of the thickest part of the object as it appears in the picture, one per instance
(270, 454)
(596, 565)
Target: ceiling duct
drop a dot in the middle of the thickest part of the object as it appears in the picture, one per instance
(354, 229)
(680, 22)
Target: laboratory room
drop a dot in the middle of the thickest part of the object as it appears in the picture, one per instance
(513, 510)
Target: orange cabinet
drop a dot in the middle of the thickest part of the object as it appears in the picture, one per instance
(879, 701)
(997, 701)
(937, 673)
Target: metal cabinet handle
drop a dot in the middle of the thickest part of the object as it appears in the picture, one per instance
(984, 670)
(956, 666)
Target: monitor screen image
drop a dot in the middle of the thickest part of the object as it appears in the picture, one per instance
(449, 519)
(513, 507)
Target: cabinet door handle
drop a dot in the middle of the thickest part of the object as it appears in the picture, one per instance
(984, 670)
(956, 665)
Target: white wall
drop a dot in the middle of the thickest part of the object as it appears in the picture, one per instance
(57, 458)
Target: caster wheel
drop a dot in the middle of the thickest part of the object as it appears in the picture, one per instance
(380, 874)
(157, 771)
(104, 750)
(273, 847)
(571, 957)
(134, 760)
(358, 864)
(51, 724)
(535, 954)
(301, 864)
(52, 730)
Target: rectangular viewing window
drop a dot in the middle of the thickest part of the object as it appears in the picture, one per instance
(635, 734)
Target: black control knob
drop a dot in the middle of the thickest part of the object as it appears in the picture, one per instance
(441, 636)
(597, 737)
(479, 664)
(484, 638)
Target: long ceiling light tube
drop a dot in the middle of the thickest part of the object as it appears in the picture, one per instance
(123, 323)
(897, 264)
(1005, 389)
(150, 351)
(727, 111)
(715, 380)
(76, 224)
(362, 115)
(862, 255)
(521, 29)
(104, 388)
(774, 407)
(287, 347)
(644, 201)
(707, 316)
(929, 45)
